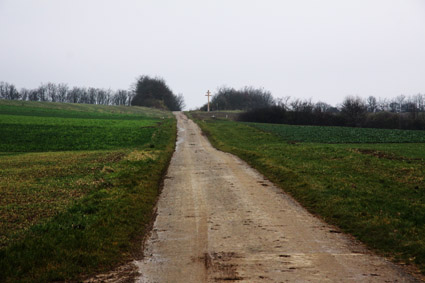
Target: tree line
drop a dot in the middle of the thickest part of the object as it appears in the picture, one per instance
(258, 104)
(149, 92)
(248, 98)
(51, 92)
(401, 112)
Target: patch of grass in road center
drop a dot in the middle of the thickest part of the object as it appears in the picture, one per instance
(376, 192)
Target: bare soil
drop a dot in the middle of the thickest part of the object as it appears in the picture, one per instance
(220, 220)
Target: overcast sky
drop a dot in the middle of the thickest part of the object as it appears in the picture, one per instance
(322, 50)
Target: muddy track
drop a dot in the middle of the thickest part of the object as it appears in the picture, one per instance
(220, 220)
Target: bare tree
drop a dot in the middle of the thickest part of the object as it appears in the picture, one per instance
(354, 108)
(51, 92)
(84, 96)
(24, 94)
(3, 90)
(41, 91)
(283, 102)
(400, 99)
(299, 105)
(33, 95)
(372, 104)
(120, 97)
(322, 107)
(62, 91)
(100, 96)
(418, 99)
(73, 95)
(382, 104)
(130, 96)
(394, 107)
(9, 91)
(180, 101)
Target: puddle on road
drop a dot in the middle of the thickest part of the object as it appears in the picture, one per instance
(180, 139)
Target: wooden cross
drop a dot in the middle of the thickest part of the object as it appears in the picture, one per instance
(208, 94)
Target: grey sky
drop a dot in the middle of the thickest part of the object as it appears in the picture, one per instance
(322, 50)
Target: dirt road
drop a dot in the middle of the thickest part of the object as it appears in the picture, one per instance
(218, 219)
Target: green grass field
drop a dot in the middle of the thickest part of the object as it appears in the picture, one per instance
(319, 134)
(375, 191)
(33, 133)
(77, 186)
(78, 110)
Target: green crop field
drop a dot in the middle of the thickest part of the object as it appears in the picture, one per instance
(32, 133)
(77, 186)
(341, 134)
(30, 128)
(375, 191)
(78, 110)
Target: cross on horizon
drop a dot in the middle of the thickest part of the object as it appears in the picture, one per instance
(208, 94)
